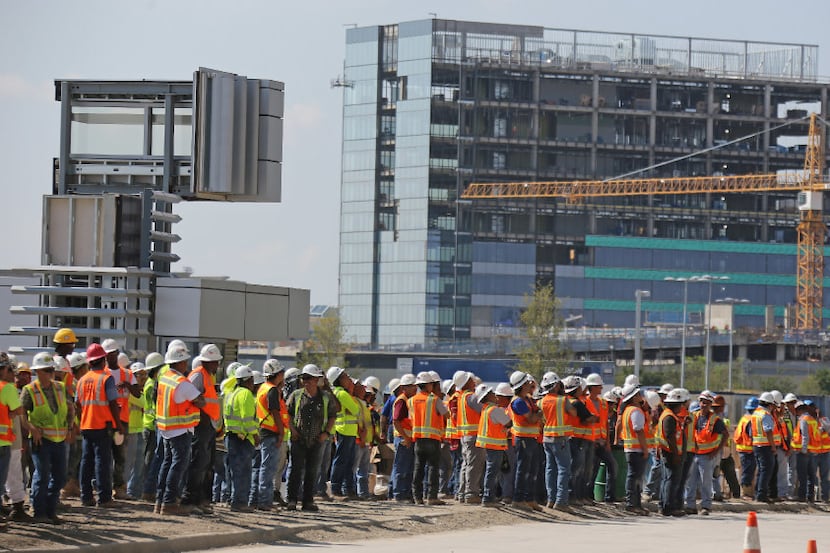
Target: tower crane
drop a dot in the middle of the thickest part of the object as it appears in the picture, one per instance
(809, 184)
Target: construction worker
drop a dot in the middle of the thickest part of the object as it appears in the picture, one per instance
(450, 447)
(312, 415)
(153, 455)
(134, 466)
(672, 443)
(710, 434)
(345, 434)
(203, 447)
(271, 414)
(491, 437)
(727, 462)
(582, 447)
(806, 444)
(742, 436)
(526, 416)
(363, 443)
(426, 411)
(404, 461)
(15, 488)
(654, 473)
(635, 445)
(557, 411)
(124, 383)
(387, 429)
(79, 367)
(780, 486)
(241, 437)
(765, 439)
(177, 414)
(459, 379)
(52, 414)
(473, 457)
(823, 459)
(506, 479)
(790, 420)
(598, 407)
(64, 341)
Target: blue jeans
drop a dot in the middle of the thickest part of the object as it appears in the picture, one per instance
(153, 456)
(806, 466)
(135, 462)
(240, 456)
(671, 494)
(700, 475)
(173, 469)
(220, 487)
(402, 467)
(764, 460)
(323, 467)
(558, 469)
(342, 466)
(96, 462)
(492, 469)
(527, 467)
(507, 480)
(655, 475)
(49, 459)
(747, 468)
(202, 448)
(361, 464)
(268, 454)
(634, 478)
(824, 475)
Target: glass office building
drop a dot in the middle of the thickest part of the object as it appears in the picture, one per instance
(432, 105)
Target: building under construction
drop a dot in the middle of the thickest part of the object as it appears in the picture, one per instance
(432, 106)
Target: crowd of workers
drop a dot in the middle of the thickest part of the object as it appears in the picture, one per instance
(99, 426)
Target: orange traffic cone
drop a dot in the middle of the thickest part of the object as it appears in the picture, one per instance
(812, 547)
(752, 542)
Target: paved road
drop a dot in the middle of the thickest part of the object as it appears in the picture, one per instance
(779, 533)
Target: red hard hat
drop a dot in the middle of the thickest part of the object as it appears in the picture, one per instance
(94, 352)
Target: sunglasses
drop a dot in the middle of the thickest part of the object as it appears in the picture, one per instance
(47, 370)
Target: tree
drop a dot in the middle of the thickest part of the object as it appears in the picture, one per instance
(816, 384)
(326, 347)
(541, 321)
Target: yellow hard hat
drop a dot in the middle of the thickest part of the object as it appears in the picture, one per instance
(65, 336)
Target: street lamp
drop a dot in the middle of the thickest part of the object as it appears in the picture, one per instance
(710, 279)
(685, 282)
(638, 353)
(732, 302)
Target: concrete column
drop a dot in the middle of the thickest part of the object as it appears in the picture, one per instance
(594, 122)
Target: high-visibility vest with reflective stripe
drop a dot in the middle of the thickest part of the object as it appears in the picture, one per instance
(450, 430)
(825, 442)
(522, 427)
(782, 436)
(651, 431)
(92, 397)
(663, 440)
(149, 418)
(579, 429)
(553, 409)
(468, 418)
(759, 437)
(6, 429)
(169, 414)
(212, 407)
(490, 435)
(365, 415)
(69, 383)
(599, 429)
(266, 421)
(706, 441)
(346, 422)
(239, 413)
(629, 436)
(814, 435)
(136, 414)
(426, 421)
(743, 435)
(405, 423)
(123, 393)
(52, 424)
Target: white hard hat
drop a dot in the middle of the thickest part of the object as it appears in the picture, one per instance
(292, 372)
(138, 366)
(435, 376)
(504, 389)
(610, 396)
(259, 378)
(110, 345)
(777, 396)
(629, 391)
(790, 397)
(706, 395)
(571, 383)
(653, 399)
(617, 391)
(210, 352)
(677, 395)
(549, 379)
(76, 359)
(333, 374)
(176, 344)
(272, 367)
(665, 388)
(593, 379)
(195, 363)
(153, 360)
(43, 360)
(632, 380)
(242, 372)
(124, 360)
(446, 386)
(312, 370)
(481, 392)
(372, 382)
(423, 377)
(518, 379)
(460, 378)
(61, 364)
(766, 397)
(230, 370)
(176, 354)
(393, 385)
(408, 379)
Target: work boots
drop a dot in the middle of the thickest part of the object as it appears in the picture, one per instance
(19, 513)
(71, 489)
(747, 492)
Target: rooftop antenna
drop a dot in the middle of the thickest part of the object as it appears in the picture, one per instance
(433, 14)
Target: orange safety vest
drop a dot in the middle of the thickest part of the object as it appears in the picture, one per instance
(427, 423)
(468, 418)
(782, 437)
(450, 430)
(556, 423)
(92, 397)
(522, 427)
(706, 441)
(662, 439)
(814, 435)
(69, 382)
(212, 406)
(599, 430)
(742, 437)
(490, 435)
(123, 394)
(169, 414)
(266, 421)
(759, 437)
(825, 442)
(629, 436)
(579, 429)
(6, 429)
(405, 423)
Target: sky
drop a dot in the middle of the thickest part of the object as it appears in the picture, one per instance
(293, 243)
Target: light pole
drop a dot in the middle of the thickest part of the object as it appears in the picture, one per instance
(685, 282)
(638, 353)
(732, 302)
(710, 279)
